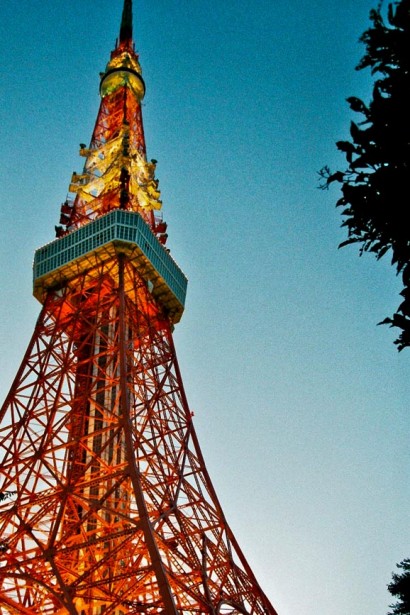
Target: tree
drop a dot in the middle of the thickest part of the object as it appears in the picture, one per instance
(400, 588)
(375, 185)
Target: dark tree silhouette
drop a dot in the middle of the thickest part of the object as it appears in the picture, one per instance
(400, 588)
(376, 184)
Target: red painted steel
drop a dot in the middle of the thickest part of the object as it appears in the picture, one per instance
(106, 505)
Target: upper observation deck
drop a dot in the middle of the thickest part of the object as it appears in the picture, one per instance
(102, 239)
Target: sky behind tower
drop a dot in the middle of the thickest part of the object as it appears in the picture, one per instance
(300, 400)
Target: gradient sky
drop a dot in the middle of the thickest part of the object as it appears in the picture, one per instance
(300, 400)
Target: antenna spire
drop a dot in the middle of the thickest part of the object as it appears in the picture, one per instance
(126, 22)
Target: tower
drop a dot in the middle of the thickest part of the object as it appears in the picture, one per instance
(106, 505)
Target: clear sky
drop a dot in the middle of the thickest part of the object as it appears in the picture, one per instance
(300, 400)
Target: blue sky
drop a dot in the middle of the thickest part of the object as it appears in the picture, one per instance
(300, 400)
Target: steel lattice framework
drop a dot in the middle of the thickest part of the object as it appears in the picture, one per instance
(106, 505)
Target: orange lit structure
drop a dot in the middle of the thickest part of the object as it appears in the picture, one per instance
(105, 502)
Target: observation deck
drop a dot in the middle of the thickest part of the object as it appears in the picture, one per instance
(101, 240)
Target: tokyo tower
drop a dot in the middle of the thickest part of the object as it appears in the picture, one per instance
(106, 506)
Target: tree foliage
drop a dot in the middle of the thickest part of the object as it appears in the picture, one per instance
(400, 588)
(375, 185)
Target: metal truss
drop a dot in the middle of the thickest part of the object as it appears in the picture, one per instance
(107, 505)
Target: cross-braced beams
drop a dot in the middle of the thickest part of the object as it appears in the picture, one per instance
(110, 507)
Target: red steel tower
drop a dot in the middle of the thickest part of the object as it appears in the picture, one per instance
(106, 505)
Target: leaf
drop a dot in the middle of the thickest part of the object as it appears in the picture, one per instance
(386, 321)
(357, 105)
(355, 132)
(336, 177)
(348, 242)
(345, 146)
(382, 252)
